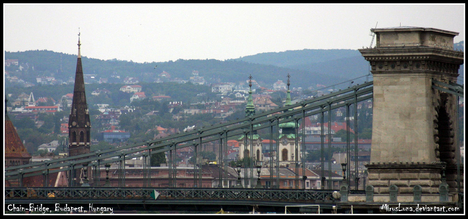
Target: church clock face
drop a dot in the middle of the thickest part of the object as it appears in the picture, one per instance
(284, 141)
(74, 123)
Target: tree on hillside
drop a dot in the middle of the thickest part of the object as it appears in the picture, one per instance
(157, 159)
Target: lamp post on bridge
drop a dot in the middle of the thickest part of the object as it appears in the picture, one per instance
(343, 167)
(259, 169)
(107, 184)
(238, 169)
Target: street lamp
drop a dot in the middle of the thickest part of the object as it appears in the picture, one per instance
(259, 169)
(107, 175)
(343, 167)
(238, 169)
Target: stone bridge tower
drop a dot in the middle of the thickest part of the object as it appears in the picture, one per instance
(414, 126)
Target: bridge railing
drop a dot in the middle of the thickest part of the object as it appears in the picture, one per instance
(103, 193)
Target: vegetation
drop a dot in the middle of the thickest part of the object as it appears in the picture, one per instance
(62, 66)
(157, 159)
(307, 68)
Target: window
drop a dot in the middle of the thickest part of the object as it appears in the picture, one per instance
(246, 153)
(81, 136)
(284, 155)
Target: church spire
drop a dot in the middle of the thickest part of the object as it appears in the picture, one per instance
(288, 127)
(250, 107)
(79, 126)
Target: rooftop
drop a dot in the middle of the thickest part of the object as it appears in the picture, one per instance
(413, 28)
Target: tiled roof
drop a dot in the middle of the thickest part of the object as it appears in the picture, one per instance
(14, 147)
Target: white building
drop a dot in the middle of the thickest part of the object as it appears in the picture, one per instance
(279, 85)
(131, 88)
(138, 96)
(223, 88)
(49, 147)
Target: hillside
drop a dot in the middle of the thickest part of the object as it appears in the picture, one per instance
(340, 63)
(62, 66)
(307, 67)
(299, 57)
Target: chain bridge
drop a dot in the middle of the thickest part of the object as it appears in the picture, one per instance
(432, 176)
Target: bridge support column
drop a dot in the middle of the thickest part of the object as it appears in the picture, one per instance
(413, 124)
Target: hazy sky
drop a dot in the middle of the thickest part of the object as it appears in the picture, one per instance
(163, 32)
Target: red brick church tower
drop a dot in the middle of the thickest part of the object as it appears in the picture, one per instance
(79, 125)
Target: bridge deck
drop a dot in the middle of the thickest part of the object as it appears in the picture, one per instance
(167, 199)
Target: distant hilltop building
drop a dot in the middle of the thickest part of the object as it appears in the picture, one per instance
(196, 78)
(137, 96)
(131, 80)
(114, 135)
(9, 62)
(223, 88)
(131, 88)
(164, 74)
(279, 85)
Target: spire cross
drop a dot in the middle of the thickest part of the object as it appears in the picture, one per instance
(79, 43)
(288, 80)
(250, 81)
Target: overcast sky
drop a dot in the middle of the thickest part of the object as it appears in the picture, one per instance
(163, 32)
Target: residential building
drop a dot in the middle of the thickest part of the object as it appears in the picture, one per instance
(264, 103)
(42, 109)
(131, 80)
(49, 147)
(196, 78)
(113, 135)
(131, 88)
(137, 96)
(222, 88)
(279, 85)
